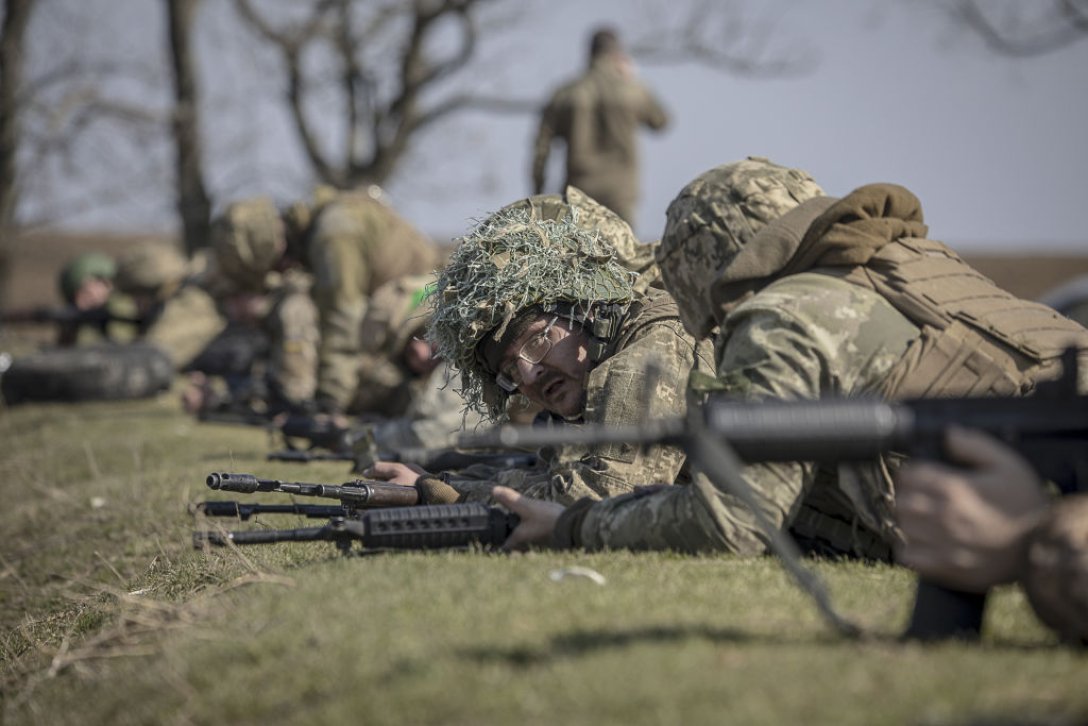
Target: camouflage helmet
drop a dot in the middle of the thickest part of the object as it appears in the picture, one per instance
(248, 240)
(84, 267)
(715, 216)
(397, 310)
(535, 254)
(151, 268)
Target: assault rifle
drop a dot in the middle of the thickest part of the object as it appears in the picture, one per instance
(353, 495)
(70, 315)
(1050, 428)
(434, 526)
(402, 526)
(326, 441)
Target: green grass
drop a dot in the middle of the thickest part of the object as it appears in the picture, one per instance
(108, 616)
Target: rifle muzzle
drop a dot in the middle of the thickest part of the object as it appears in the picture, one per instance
(243, 483)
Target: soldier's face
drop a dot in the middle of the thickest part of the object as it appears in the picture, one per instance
(93, 293)
(556, 381)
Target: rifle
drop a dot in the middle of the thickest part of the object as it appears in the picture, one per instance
(353, 495)
(328, 442)
(434, 526)
(244, 511)
(429, 459)
(70, 315)
(1050, 428)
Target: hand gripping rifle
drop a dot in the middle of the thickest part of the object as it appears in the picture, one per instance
(1049, 428)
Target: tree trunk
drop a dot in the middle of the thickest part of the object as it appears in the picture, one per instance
(192, 197)
(12, 36)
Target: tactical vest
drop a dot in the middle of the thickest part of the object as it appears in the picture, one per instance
(976, 339)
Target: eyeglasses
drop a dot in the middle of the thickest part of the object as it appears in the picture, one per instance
(532, 351)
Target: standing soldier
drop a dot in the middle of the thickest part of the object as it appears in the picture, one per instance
(598, 116)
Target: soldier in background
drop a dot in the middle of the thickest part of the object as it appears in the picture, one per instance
(353, 245)
(263, 287)
(409, 392)
(177, 315)
(86, 284)
(598, 117)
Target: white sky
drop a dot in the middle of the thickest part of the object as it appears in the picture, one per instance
(994, 147)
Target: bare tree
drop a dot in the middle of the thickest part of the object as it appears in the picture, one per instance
(390, 82)
(12, 40)
(193, 204)
(723, 37)
(1024, 29)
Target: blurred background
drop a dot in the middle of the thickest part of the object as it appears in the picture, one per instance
(123, 119)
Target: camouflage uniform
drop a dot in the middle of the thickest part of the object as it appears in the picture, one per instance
(553, 254)
(184, 318)
(819, 298)
(249, 243)
(355, 244)
(423, 411)
(71, 278)
(598, 116)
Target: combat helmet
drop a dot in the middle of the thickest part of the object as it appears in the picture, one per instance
(248, 240)
(538, 255)
(82, 268)
(713, 218)
(151, 268)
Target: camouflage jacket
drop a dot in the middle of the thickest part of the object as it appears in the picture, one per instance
(803, 337)
(617, 393)
(598, 116)
(356, 243)
(435, 414)
(875, 315)
(291, 325)
(187, 321)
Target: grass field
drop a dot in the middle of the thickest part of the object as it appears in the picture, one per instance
(108, 616)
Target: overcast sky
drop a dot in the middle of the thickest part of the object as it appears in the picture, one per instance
(994, 147)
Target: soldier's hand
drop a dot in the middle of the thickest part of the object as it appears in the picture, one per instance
(966, 527)
(395, 472)
(538, 518)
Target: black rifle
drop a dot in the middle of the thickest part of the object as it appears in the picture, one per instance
(71, 315)
(1050, 428)
(317, 432)
(429, 459)
(353, 495)
(245, 510)
(435, 526)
